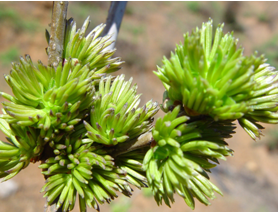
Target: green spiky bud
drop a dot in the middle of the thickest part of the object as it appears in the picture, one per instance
(46, 98)
(115, 116)
(209, 75)
(180, 157)
(24, 146)
(80, 168)
(131, 163)
(205, 73)
(90, 49)
(262, 99)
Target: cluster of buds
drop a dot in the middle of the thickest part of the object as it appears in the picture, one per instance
(209, 83)
(69, 117)
(77, 120)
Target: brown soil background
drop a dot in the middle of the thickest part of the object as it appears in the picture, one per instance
(150, 30)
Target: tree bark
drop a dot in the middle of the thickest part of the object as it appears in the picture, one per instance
(57, 32)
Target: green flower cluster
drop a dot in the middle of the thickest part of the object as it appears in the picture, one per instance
(80, 168)
(181, 156)
(81, 123)
(90, 50)
(25, 145)
(115, 117)
(210, 76)
(46, 98)
(70, 118)
(209, 83)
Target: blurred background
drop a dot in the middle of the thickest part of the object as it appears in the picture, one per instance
(149, 31)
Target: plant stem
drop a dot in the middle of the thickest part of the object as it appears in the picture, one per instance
(140, 142)
(57, 32)
(114, 20)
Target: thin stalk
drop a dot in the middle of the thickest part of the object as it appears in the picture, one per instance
(57, 32)
(137, 143)
(114, 20)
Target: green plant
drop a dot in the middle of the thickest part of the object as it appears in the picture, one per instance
(135, 31)
(12, 16)
(129, 11)
(7, 57)
(193, 6)
(7, 13)
(263, 17)
(92, 139)
(221, 82)
(80, 11)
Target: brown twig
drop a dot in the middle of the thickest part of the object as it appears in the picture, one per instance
(138, 143)
(57, 32)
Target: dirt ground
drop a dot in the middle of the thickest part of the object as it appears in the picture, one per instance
(150, 30)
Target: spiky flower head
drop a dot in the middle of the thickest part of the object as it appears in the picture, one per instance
(48, 99)
(80, 168)
(180, 156)
(84, 168)
(115, 116)
(262, 99)
(90, 49)
(67, 118)
(210, 76)
(44, 121)
(75, 119)
(56, 99)
(204, 76)
(24, 146)
(132, 164)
